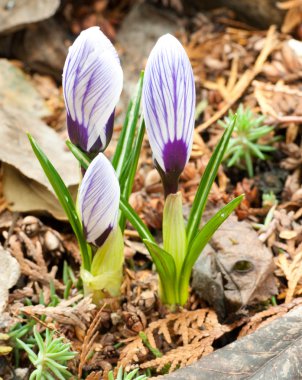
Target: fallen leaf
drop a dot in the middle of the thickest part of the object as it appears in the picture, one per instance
(25, 171)
(17, 90)
(16, 14)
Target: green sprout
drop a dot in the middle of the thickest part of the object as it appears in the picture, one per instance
(244, 143)
(121, 375)
(50, 361)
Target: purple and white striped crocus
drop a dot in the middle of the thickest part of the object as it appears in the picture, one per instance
(169, 105)
(92, 84)
(98, 200)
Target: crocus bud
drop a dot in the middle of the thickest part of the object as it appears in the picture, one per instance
(98, 200)
(169, 106)
(92, 84)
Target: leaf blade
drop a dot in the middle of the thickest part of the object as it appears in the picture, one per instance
(206, 183)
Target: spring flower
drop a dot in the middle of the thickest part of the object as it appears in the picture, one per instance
(99, 197)
(168, 106)
(98, 201)
(92, 84)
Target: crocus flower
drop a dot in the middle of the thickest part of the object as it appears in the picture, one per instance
(92, 84)
(169, 106)
(98, 199)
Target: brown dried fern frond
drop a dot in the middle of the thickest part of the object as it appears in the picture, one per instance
(132, 353)
(192, 331)
(89, 339)
(181, 356)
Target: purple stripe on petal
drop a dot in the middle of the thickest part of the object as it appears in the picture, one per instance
(169, 105)
(99, 196)
(101, 240)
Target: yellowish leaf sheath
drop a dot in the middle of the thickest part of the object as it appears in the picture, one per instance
(106, 273)
(174, 230)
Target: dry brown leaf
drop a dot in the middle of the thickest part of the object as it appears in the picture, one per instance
(29, 176)
(15, 16)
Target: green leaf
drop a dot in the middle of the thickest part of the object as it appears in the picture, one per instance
(165, 267)
(255, 150)
(128, 174)
(135, 220)
(249, 163)
(206, 182)
(83, 159)
(125, 142)
(64, 198)
(200, 241)
(235, 158)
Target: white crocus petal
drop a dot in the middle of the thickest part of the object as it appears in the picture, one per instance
(169, 104)
(99, 197)
(92, 84)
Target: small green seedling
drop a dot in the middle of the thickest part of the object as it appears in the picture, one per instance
(51, 358)
(244, 144)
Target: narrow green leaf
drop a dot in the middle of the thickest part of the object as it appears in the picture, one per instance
(257, 152)
(135, 220)
(64, 198)
(200, 241)
(165, 267)
(206, 182)
(83, 159)
(124, 146)
(235, 158)
(265, 148)
(118, 149)
(249, 164)
(128, 174)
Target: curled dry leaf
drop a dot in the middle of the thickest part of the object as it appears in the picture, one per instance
(9, 274)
